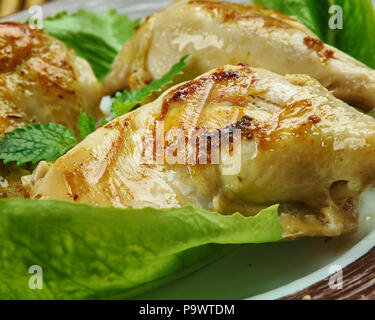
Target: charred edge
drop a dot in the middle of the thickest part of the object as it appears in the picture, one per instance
(188, 89)
(225, 76)
(318, 46)
(116, 124)
(314, 119)
(235, 12)
(18, 38)
(212, 144)
(245, 125)
(314, 44)
(76, 182)
(328, 54)
(140, 26)
(245, 65)
(179, 94)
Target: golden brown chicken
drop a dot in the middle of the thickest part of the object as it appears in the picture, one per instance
(235, 139)
(216, 33)
(41, 80)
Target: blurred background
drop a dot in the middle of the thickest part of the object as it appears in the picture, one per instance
(8, 7)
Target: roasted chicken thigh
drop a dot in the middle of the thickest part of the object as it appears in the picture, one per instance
(216, 33)
(295, 143)
(41, 80)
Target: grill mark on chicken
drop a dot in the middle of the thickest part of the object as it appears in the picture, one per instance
(118, 143)
(19, 43)
(318, 46)
(314, 119)
(274, 130)
(314, 44)
(225, 75)
(253, 97)
(269, 132)
(16, 44)
(235, 12)
(50, 76)
(251, 128)
(247, 127)
(188, 90)
(76, 183)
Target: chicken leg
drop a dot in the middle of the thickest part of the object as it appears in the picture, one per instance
(216, 33)
(298, 146)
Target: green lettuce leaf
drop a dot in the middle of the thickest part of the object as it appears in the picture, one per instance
(123, 102)
(357, 36)
(96, 38)
(90, 252)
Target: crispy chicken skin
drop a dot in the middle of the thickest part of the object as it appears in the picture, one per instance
(216, 33)
(41, 80)
(300, 147)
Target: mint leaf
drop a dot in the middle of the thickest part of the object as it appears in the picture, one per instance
(124, 102)
(96, 38)
(103, 122)
(36, 142)
(356, 38)
(89, 252)
(86, 125)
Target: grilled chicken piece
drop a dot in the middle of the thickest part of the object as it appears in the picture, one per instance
(216, 33)
(295, 144)
(10, 181)
(41, 80)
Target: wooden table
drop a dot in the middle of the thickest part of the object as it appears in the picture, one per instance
(8, 7)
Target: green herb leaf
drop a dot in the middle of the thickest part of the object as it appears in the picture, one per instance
(313, 14)
(86, 125)
(357, 36)
(96, 38)
(37, 142)
(89, 252)
(124, 102)
(103, 122)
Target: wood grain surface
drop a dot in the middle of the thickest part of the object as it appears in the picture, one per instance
(8, 7)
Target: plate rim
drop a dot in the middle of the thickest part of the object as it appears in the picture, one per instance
(305, 287)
